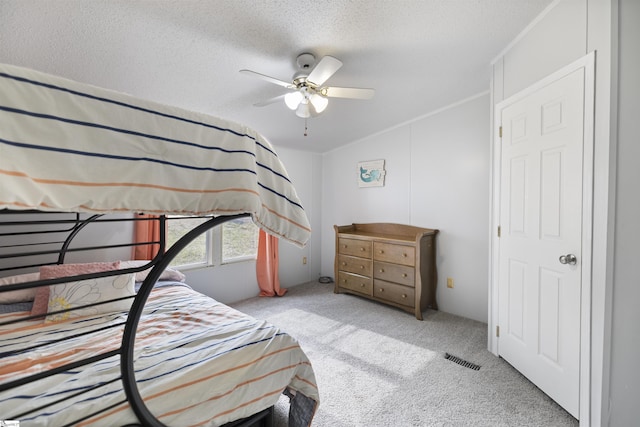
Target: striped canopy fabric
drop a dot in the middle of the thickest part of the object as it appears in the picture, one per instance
(72, 147)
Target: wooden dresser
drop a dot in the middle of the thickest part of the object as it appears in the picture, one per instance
(391, 263)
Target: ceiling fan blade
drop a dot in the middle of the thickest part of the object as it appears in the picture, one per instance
(270, 101)
(348, 92)
(327, 66)
(288, 85)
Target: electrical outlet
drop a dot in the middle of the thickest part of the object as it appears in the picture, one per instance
(304, 259)
(449, 282)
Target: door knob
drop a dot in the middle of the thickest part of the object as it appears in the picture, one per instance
(568, 259)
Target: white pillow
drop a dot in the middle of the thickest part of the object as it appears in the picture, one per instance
(77, 294)
(21, 295)
(168, 274)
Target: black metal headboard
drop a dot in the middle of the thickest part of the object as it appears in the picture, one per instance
(31, 239)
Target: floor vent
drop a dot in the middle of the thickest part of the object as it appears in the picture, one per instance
(462, 362)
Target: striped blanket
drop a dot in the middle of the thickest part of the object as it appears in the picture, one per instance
(71, 147)
(198, 363)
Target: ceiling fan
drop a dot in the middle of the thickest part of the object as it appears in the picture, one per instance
(308, 96)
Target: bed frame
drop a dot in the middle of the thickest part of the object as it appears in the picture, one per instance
(22, 250)
(67, 146)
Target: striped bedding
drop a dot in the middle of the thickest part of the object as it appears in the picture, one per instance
(71, 147)
(198, 363)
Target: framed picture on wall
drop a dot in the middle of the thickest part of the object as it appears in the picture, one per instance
(371, 173)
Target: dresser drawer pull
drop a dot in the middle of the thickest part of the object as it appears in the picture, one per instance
(344, 246)
(362, 249)
(362, 267)
(405, 255)
(382, 270)
(404, 274)
(344, 263)
(404, 295)
(381, 251)
(381, 289)
(344, 280)
(362, 285)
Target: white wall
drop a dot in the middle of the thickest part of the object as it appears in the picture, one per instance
(437, 176)
(305, 171)
(450, 192)
(625, 327)
(555, 39)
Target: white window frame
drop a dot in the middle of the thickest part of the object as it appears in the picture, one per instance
(213, 258)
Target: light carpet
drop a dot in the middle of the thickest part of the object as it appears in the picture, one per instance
(378, 366)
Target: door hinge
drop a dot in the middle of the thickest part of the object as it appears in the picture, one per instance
(500, 131)
(498, 331)
(499, 231)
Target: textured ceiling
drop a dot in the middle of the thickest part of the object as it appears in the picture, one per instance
(419, 55)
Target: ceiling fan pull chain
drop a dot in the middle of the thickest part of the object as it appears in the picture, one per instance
(305, 127)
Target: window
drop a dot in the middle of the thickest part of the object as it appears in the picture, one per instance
(239, 240)
(233, 241)
(196, 253)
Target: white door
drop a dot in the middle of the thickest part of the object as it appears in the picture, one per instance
(539, 274)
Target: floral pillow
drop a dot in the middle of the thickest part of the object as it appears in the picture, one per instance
(77, 294)
(41, 299)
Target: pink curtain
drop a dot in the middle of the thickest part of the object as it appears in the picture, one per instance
(267, 266)
(146, 231)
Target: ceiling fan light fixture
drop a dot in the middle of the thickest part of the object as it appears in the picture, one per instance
(308, 95)
(293, 99)
(304, 110)
(319, 102)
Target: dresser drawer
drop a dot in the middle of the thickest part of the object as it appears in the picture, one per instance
(402, 274)
(353, 264)
(397, 254)
(396, 293)
(355, 247)
(355, 282)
